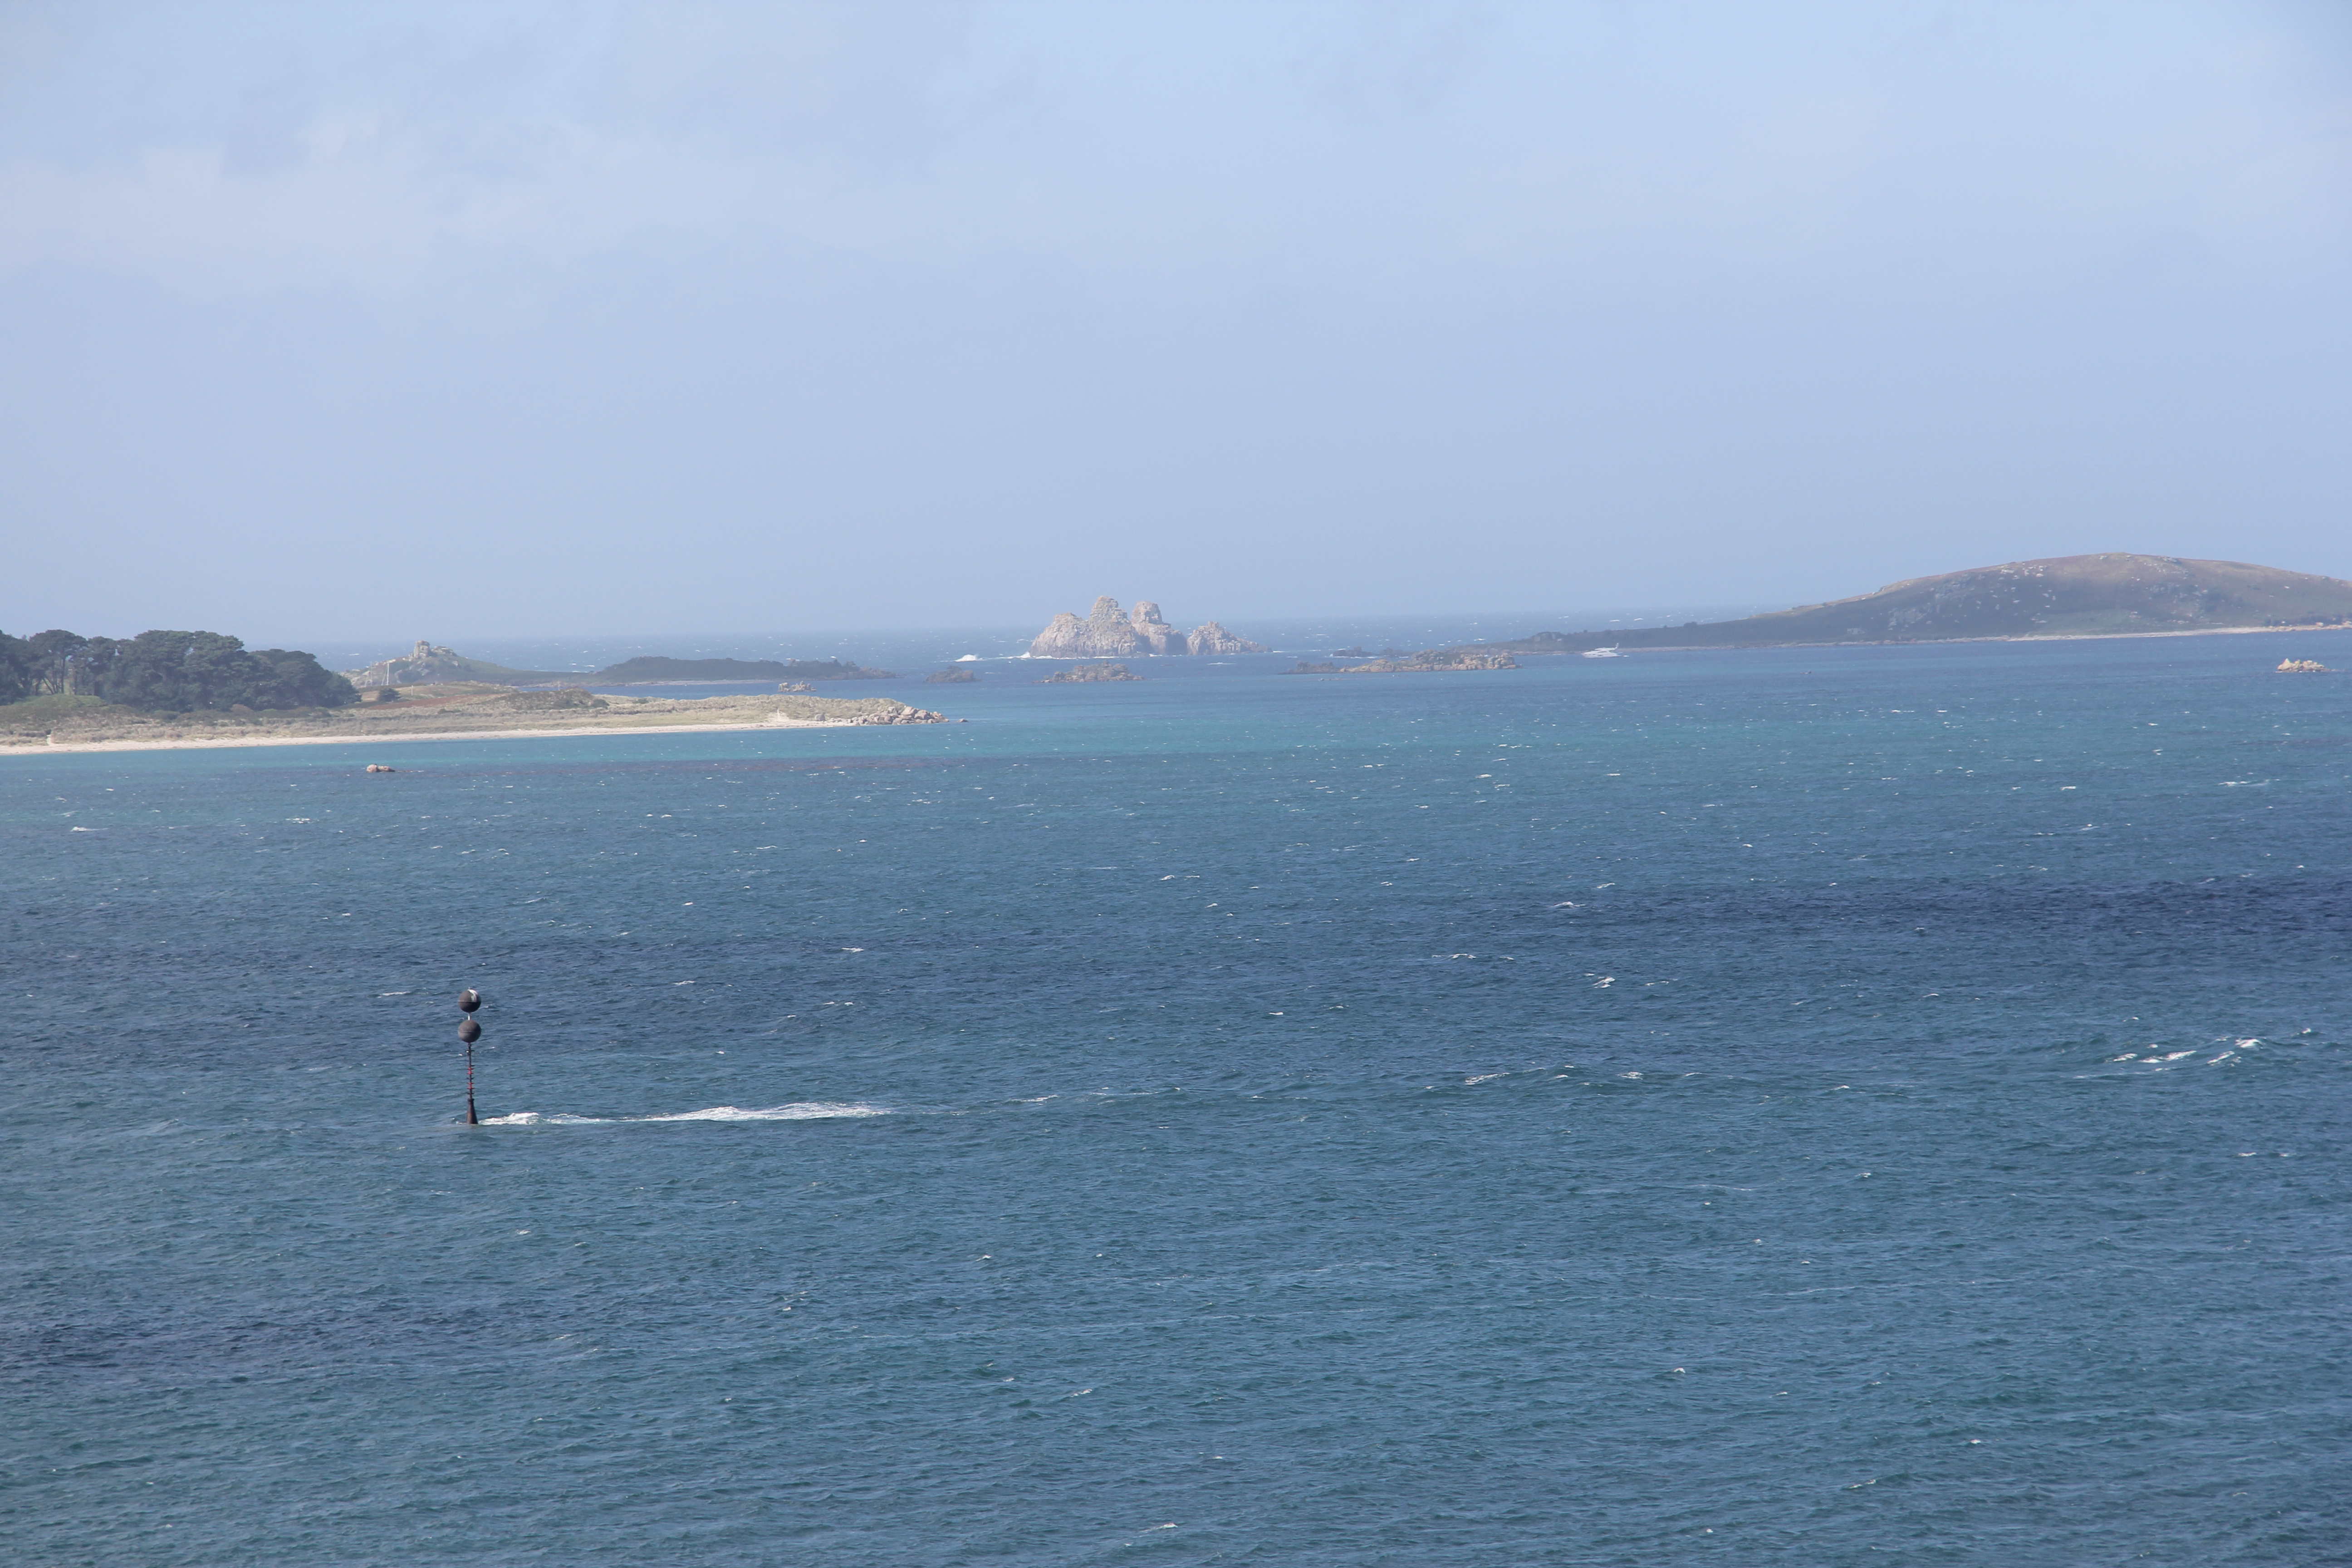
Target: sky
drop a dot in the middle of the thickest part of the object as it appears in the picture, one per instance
(557, 317)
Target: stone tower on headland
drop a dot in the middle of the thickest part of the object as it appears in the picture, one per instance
(1108, 634)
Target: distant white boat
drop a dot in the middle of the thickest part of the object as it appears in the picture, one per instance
(1608, 652)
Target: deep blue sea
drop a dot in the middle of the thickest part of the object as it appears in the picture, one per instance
(1808, 1107)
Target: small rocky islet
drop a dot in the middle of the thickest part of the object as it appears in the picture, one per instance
(1433, 660)
(1107, 633)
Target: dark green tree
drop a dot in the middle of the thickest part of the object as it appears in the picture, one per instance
(150, 671)
(59, 657)
(16, 668)
(284, 677)
(177, 672)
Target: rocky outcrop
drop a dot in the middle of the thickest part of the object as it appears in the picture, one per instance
(950, 676)
(1105, 633)
(1090, 672)
(1153, 635)
(429, 664)
(1211, 637)
(901, 714)
(1064, 637)
(1428, 661)
(1108, 634)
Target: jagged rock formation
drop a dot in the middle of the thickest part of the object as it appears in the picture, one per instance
(1105, 633)
(2067, 595)
(1211, 637)
(1108, 634)
(1090, 672)
(1154, 635)
(1427, 661)
(1064, 637)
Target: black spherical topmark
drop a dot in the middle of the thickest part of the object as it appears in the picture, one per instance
(468, 1000)
(469, 1031)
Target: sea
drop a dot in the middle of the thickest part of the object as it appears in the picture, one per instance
(1805, 1107)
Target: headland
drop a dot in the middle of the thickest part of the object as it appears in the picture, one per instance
(2064, 596)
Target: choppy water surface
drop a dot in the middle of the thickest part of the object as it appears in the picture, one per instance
(1800, 1108)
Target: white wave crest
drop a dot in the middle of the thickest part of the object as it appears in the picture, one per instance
(805, 1110)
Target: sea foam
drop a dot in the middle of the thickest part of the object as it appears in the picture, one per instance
(804, 1111)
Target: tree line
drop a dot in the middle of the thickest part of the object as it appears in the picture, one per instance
(167, 672)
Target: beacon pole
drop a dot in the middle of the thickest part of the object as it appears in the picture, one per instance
(469, 1031)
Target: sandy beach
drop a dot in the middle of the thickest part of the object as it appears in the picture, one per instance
(61, 747)
(494, 717)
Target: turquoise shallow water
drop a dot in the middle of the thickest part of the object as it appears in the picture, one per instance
(1807, 1108)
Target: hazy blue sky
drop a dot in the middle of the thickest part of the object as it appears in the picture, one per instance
(344, 320)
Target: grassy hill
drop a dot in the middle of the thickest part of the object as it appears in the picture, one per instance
(2070, 596)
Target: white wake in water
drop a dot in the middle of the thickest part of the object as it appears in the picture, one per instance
(806, 1110)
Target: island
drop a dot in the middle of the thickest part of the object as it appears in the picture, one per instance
(1428, 661)
(2063, 597)
(430, 664)
(1108, 633)
(1090, 672)
(951, 676)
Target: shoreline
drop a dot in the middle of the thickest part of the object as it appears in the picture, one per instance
(1917, 642)
(58, 749)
